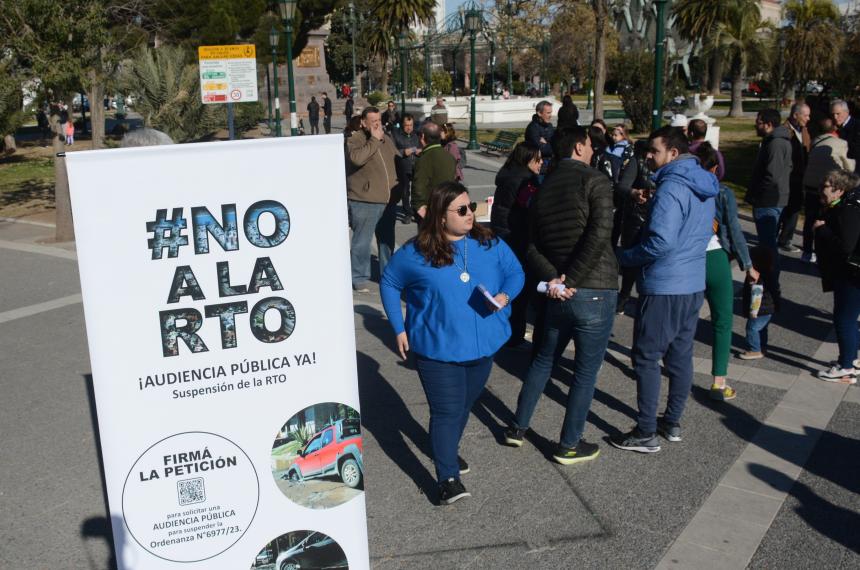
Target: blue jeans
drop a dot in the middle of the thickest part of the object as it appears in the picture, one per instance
(586, 318)
(846, 310)
(451, 388)
(385, 235)
(757, 333)
(767, 228)
(664, 329)
(363, 217)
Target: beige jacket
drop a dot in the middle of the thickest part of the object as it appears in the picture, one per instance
(828, 152)
(371, 174)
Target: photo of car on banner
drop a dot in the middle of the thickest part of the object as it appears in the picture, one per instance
(317, 456)
(301, 549)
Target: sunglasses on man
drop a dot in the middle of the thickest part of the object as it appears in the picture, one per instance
(463, 210)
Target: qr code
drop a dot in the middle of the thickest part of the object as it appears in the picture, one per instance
(191, 491)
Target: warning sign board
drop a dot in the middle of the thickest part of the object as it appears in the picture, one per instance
(228, 74)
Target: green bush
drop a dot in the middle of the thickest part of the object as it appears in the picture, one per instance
(376, 97)
(519, 88)
(634, 72)
(441, 82)
(246, 116)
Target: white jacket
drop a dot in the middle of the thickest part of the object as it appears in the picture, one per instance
(828, 153)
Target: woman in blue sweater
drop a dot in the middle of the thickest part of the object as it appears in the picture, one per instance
(453, 328)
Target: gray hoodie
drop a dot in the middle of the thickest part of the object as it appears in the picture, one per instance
(769, 185)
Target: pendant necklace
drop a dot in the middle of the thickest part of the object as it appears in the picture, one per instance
(464, 276)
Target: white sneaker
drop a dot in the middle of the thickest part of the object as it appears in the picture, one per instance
(809, 258)
(839, 375)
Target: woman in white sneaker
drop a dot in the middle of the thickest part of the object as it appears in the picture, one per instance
(837, 242)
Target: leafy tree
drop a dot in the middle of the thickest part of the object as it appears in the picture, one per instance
(167, 93)
(634, 71)
(389, 18)
(741, 39)
(12, 116)
(698, 21)
(813, 37)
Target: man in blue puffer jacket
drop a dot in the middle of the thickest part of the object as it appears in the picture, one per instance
(671, 283)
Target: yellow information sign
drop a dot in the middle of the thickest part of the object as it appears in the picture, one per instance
(227, 52)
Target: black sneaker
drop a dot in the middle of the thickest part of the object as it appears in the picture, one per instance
(636, 441)
(514, 436)
(464, 467)
(583, 451)
(670, 431)
(451, 491)
(621, 305)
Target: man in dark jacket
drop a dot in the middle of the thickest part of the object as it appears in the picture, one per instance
(570, 222)
(349, 107)
(770, 184)
(800, 145)
(848, 130)
(409, 147)
(390, 118)
(314, 116)
(434, 166)
(540, 131)
(671, 284)
(326, 113)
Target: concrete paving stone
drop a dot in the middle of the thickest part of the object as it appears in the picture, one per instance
(794, 419)
(14, 231)
(685, 556)
(727, 536)
(817, 525)
(852, 395)
(735, 504)
(815, 395)
(27, 281)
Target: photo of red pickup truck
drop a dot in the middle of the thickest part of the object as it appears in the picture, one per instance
(317, 459)
(334, 451)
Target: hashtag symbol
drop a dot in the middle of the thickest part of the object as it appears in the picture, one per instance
(166, 233)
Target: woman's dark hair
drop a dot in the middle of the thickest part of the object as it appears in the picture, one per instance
(707, 156)
(523, 154)
(598, 137)
(762, 259)
(353, 125)
(566, 100)
(431, 241)
(599, 122)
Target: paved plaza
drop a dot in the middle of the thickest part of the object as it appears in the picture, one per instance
(769, 480)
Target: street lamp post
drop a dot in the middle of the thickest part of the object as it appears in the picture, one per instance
(274, 35)
(510, 73)
(428, 78)
(659, 48)
(404, 43)
(454, 74)
(473, 26)
(492, 70)
(545, 50)
(288, 12)
(352, 33)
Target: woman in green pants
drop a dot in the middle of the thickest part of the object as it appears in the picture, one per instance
(728, 242)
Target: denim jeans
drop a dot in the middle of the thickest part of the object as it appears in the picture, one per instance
(757, 333)
(452, 389)
(363, 217)
(586, 318)
(385, 235)
(846, 310)
(664, 329)
(767, 228)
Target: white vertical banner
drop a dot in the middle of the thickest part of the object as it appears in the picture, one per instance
(216, 291)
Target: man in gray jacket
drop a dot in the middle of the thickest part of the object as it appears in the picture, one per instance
(769, 187)
(371, 175)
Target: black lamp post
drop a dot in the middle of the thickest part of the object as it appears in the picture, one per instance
(659, 50)
(288, 13)
(428, 77)
(545, 71)
(352, 34)
(403, 41)
(492, 69)
(274, 36)
(473, 21)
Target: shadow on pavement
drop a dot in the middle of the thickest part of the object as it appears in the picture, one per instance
(99, 527)
(386, 416)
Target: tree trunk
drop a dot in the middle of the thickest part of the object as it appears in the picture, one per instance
(62, 203)
(737, 109)
(716, 73)
(9, 144)
(96, 95)
(384, 79)
(600, 13)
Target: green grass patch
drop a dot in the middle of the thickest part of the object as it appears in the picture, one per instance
(26, 185)
(290, 448)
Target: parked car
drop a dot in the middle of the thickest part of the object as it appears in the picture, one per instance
(316, 552)
(263, 558)
(336, 450)
(814, 88)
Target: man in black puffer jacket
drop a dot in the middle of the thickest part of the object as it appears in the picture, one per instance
(570, 222)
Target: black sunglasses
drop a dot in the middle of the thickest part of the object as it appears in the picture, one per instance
(461, 211)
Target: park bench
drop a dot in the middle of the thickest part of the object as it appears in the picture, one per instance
(504, 142)
(614, 114)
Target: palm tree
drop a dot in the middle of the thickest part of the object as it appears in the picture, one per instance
(740, 37)
(812, 34)
(697, 20)
(388, 19)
